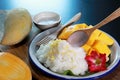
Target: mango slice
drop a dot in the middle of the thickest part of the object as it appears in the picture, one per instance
(105, 39)
(17, 25)
(93, 37)
(69, 30)
(13, 68)
(101, 48)
(86, 48)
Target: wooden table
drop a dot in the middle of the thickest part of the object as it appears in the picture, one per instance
(21, 50)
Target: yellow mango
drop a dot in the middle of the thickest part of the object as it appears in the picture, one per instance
(106, 39)
(93, 37)
(102, 48)
(69, 30)
(86, 48)
(80, 26)
(63, 34)
(98, 41)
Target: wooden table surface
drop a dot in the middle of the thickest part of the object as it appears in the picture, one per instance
(21, 50)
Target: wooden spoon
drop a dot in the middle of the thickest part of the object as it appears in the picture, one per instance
(80, 37)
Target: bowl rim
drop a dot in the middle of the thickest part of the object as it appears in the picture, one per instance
(94, 76)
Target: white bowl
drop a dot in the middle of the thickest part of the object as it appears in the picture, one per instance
(46, 20)
(115, 58)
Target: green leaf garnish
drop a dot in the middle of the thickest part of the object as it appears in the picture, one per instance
(68, 72)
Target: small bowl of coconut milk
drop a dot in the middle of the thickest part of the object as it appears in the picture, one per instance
(46, 20)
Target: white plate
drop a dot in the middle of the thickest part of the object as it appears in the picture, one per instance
(115, 58)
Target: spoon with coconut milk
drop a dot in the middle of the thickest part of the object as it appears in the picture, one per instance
(80, 37)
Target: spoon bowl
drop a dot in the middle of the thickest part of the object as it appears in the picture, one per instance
(73, 39)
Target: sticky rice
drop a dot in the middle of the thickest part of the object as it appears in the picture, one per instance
(59, 56)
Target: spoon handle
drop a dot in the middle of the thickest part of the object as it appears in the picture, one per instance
(108, 19)
(71, 21)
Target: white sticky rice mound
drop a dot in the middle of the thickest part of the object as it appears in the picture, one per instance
(59, 56)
